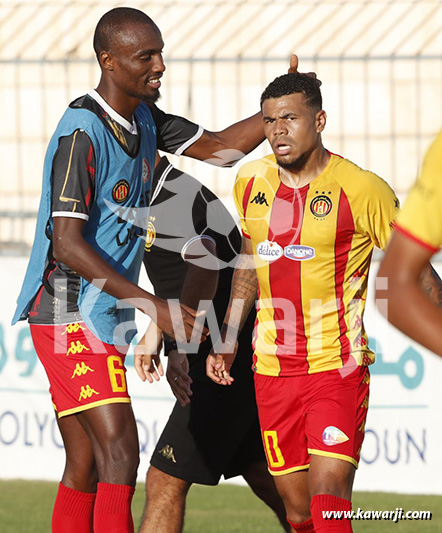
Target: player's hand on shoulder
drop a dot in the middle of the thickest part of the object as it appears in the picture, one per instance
(177, 374)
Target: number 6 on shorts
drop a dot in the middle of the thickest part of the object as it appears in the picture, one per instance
(115, 372)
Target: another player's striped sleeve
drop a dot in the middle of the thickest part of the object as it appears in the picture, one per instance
(420, 218)
(241, 194)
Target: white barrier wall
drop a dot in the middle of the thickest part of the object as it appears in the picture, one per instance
(401, 452)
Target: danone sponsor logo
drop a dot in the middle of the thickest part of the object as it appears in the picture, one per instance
(298, 252)
(269, 251)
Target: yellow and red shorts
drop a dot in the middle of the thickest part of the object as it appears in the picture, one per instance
(315, 414)
(83, 372)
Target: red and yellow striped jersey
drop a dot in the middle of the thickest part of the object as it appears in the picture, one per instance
(312, 249)
(420, 219)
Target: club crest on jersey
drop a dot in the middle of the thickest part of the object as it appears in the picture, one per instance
(269, 251)
(120, 191)
(332, 436)
(151, 234)
(298, 252)
(145, 171)
(321, 206)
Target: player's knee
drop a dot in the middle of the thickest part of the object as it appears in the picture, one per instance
(117, 461)
(337, 483)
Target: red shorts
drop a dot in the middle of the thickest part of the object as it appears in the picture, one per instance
(83, 372)
(320, 414)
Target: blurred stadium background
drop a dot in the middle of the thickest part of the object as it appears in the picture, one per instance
(381, 66)
(380, 61)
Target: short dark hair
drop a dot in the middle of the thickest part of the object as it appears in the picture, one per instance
(112, 22)
(295, 83)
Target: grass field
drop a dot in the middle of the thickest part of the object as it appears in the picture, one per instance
(25, 507)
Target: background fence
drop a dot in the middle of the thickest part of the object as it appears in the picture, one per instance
(380, 62)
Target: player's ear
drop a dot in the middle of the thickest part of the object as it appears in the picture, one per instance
(106, 60)
(321, 120)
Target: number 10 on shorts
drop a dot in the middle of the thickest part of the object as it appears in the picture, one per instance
(274, 454)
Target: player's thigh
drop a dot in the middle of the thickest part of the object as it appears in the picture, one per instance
(282, 420)
(162, 486)
(336, 409)
(111, 427)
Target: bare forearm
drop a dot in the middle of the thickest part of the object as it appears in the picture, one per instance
(243, 293)
(242, 137)
(199, 284)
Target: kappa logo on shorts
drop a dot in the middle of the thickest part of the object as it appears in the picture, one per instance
(73, 328)
(332, 436)
(81, 370)
(76, 347)
(167, 452)
(120, 191)
(86, 392)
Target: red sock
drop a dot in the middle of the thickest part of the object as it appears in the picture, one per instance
(73, 511)
(322, 503)
(303, 527)
(112, 513)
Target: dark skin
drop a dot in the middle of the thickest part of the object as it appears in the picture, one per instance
(414, 291)
(102, 443)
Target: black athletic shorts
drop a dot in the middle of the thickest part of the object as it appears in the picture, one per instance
(218, 433)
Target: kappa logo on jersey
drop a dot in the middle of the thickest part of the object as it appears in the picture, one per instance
(332, 436)
(167, 452)
(269, 251)
(81, 370)
(321, 206)
(76, 347)
(120, 191)
(151, 234)
(298, 252)
(86, 392)
(72, 328)
(260, 199)
(146, 171)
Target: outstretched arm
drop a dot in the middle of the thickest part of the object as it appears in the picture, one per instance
(242, 299)
(413, 290)
(226, 147)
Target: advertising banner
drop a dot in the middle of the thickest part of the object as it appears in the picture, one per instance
(401, 452)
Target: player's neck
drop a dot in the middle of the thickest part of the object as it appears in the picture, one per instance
(124, 105)
(305, 171)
